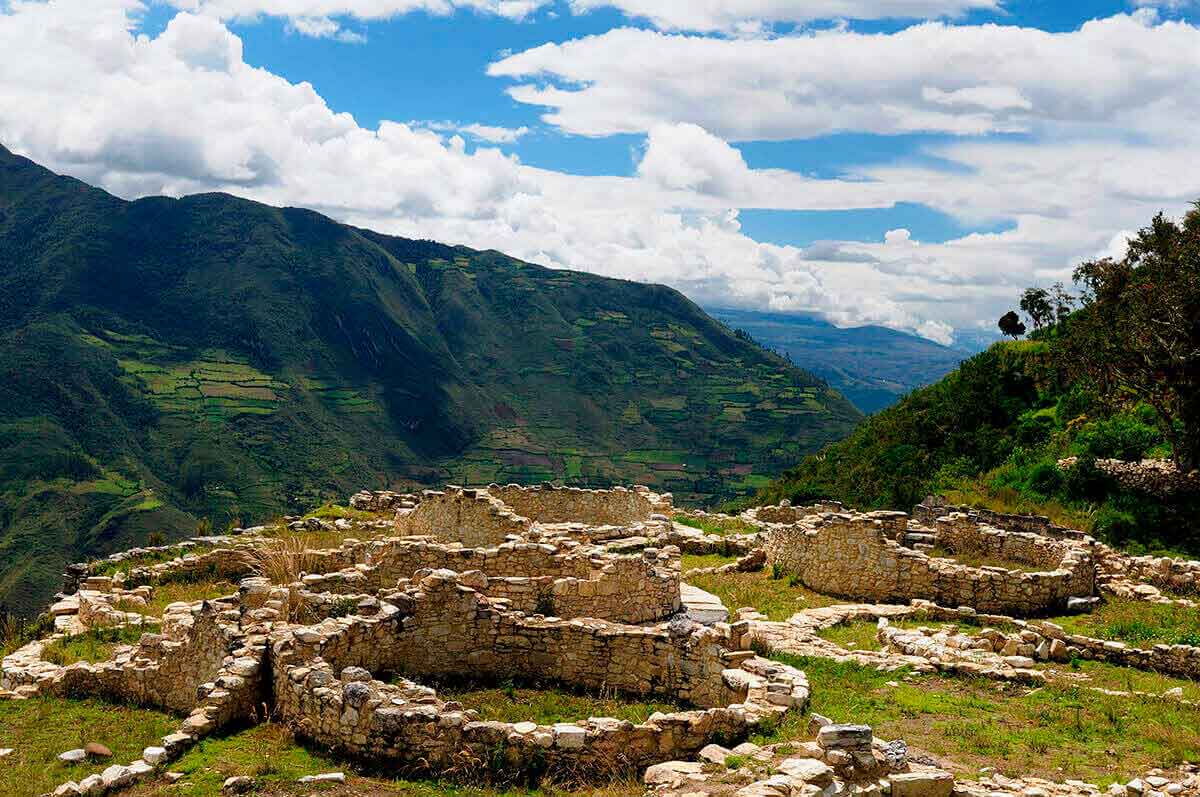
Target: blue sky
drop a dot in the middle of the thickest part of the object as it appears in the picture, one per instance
(914, 171)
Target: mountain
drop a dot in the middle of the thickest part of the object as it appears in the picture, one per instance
(991, 434)
(872, 366)
(169, 360)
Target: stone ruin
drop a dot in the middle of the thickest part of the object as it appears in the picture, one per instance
(582, 588)
(885, 557)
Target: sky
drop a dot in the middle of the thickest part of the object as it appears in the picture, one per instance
(913, 164)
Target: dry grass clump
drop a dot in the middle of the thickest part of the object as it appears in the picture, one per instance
(282, 560)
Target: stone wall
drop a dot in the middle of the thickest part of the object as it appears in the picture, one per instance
(616, 507)
(440, 627)
(1159, 477)
(470, 517)
(855, 556)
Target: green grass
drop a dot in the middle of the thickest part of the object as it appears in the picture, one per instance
(95, 644)
(336, 511)
(972, 559)
(691, 561)
(270, 755)
(1126, 679)
(546, 704)
(719, 526)
(40, 728)
(863, 634)
(1055, 731)
(175, 592)
(778, 599)
(1137, 623)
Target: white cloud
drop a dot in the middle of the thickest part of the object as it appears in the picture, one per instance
(317, 18)
(495, 135)
(325, 28)
(182, 112)
(740, 16)
(489, 134)
(1123, 72)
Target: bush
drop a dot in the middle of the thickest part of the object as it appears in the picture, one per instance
(1086, 482)
(1115, 526)
(1045, 479)
(1123, 436)
(1033, 429)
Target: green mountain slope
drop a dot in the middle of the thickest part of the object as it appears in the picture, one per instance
(167, 360)
(872, 366)
(990, 434)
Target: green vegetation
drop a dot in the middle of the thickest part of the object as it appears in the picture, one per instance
(270, 755)
(778, 599)
(863, 634)
(95, 644)
(872, 366)
(716, 525)
(546, 704)
(179, 591)
(1128, 679)
(990, 435)
(1056, 731)
(1137, 623)
(1117, 378)
(165, 361)
(40, 728)
(976, 559)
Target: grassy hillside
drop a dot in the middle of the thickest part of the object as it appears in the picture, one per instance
(163, 361)
(989, 434)
(874, 367)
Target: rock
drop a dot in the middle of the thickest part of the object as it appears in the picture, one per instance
(808, 770)
(569, 737)
(92, 784)
(845, 737)
(928, 783)
(325, 777)
(356, 675)
(73, 756)
(68, 789)
(239, 784)
(116, 776)
(746, 748)
(672, 773)
(154, 755)
(1177, 692)
(97, 750)
(5, 752)
(715, 754)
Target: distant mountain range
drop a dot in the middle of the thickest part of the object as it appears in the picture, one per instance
(167, 360)
(872, 366)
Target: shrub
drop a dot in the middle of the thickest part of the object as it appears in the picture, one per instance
(1045, 479)
(1115, 526)
(1122, 436)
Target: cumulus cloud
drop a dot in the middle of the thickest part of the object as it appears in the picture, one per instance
(1126, 71)
(743, 15)
(83, 92)
(317, 18)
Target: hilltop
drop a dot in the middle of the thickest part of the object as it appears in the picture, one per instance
(1010, 431)
(209, 359)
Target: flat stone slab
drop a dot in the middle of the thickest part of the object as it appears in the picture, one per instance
(702, 607)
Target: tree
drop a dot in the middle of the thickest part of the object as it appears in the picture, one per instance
(1011, 325)
(1137, 336)
(1035, 303)
(1062, 302)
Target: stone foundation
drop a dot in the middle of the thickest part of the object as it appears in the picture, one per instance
(857, 556)
(440, 627)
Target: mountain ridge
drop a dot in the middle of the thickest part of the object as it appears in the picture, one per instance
(208, 357)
